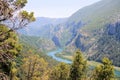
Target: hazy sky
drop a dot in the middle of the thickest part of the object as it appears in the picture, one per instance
(56, 8)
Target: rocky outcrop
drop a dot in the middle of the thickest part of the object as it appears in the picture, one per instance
(79, 44)
(56, 41)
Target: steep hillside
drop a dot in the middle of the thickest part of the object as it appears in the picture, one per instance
(41, 44)
(98, 14)
(88, 36)
(109, 44)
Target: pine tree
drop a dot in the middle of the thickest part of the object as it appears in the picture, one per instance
(9, 7)
(34, 68)
(104, 71)
(78, 68)
(60, 72)
(9, 49)
(7, 10)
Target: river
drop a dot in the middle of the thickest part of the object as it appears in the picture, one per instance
(52, 54)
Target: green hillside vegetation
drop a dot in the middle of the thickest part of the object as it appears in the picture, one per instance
(29, 43)
(41, 44)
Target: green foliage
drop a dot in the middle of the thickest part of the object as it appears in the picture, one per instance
(8, 7)
(60, 72)
(9, 46)
(104, 71)
(9, 49)
(21, 19)
(33, 67)
(20, 3)
(28, 16)
(78, 68)
(13, 71)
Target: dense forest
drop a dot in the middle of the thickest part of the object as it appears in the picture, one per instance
(20, 60)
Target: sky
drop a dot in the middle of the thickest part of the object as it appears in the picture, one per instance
(56, 8)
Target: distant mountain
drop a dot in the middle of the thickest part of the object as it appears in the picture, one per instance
(93, 29)
(41, 26)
